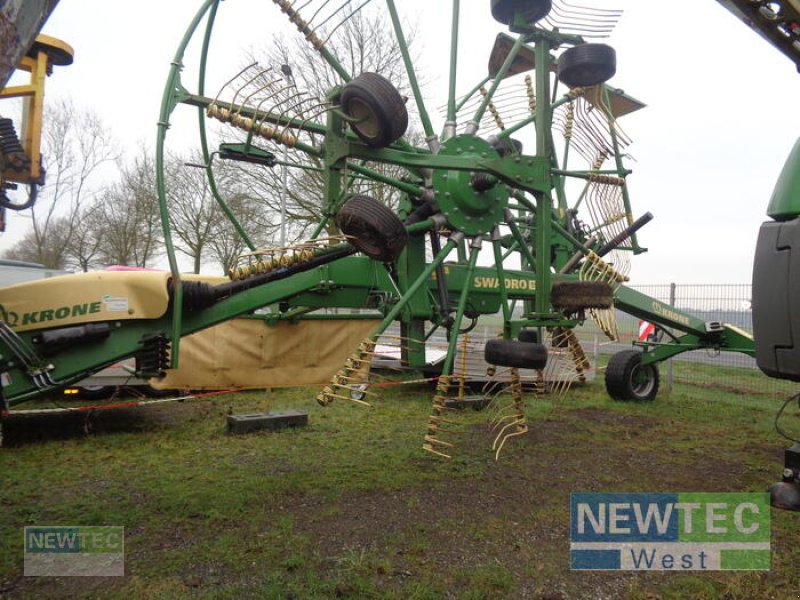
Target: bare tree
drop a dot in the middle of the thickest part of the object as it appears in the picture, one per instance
(75, 144)
(193, 209)
(226, 245)
(129, 216)
(84, 248)
(49, 251)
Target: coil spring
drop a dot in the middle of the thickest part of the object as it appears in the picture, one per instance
(607, 179)
(265, 265)
(570, 121)
(582, 364)
(615, 218)
(493, 109)
(302, 24)
(250, 125)
(576, 93)
(436, 422)
(601, 158)
(594, 268)
(531, 94)
(515, 423)
(351, 377)
(11, 148)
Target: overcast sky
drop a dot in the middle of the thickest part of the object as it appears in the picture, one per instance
(708, 148)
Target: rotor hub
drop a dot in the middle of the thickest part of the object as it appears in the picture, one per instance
(471, 200)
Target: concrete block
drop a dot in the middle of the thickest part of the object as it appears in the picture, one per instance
(270, 421)
(473, 402)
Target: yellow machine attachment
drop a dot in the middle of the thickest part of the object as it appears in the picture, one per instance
(20, 155)
(85, 298)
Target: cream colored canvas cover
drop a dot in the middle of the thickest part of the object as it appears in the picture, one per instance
(248, 353)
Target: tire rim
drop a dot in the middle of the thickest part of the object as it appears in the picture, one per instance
(364, 118)
(642, 381)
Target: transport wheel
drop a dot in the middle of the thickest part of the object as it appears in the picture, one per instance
(511, 353)
(373, 228)
(379, 111)
(627, 379)
(530, 10)
(576, 295)
(530, 336)
(96, 392)
(587, 65)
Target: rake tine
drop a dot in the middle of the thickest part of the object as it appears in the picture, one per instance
(429, 448)
(519, 421)
(522, 431)
(432, 440)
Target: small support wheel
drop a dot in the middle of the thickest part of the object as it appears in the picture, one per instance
(587, 65)
(373, 228)
(530, 10)
(96, 392)
(572, 296)
(511, 353)
(629, 380)
(378, 111)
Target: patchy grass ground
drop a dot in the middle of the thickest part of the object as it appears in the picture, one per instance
(350, 507)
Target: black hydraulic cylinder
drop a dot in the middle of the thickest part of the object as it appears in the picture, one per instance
(226, 290)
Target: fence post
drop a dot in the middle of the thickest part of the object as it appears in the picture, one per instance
(669, 362)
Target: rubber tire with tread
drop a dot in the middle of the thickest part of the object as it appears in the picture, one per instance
(587, 65)
(373, 97)
(511, 353)
(529, 336)
(577, 295)
(531, 10)
(375, 230)
(628, 380)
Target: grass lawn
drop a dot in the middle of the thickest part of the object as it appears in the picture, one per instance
(351, 507)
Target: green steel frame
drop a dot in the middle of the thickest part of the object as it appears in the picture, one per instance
(525, 220)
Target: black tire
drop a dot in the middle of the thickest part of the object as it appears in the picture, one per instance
(511, 353)
(627, 379)
(530, 10)
(373, 228)
(577, 295)
(529, 336)
(587, 65)
(508, 146)
(96, 392)
(380, 112)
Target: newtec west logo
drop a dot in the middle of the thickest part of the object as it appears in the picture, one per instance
(89, 551)
(670, 532)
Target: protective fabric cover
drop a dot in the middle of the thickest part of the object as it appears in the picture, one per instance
(248, 353)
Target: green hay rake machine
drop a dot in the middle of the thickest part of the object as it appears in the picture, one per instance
(518, 205)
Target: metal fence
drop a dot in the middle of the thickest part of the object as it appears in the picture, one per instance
(727, 371)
